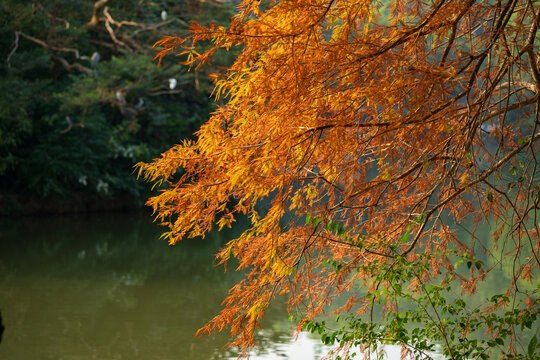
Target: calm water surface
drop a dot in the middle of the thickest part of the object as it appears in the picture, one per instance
(105, 287)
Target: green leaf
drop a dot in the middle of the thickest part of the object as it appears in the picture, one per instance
(532, 346)
(420, 218)
(524, 140)
(405, 237)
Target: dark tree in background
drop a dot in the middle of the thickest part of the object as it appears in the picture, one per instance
(82, 99)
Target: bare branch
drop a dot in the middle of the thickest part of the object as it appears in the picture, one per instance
(15, 46)
(98, 5)
(113, 35)
(51, 16)
(48, 46)
(520, 84)
(71, 67)
(529, 49)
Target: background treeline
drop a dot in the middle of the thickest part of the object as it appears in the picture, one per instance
(82, 99)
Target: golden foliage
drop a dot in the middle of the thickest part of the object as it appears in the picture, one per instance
(367, 113)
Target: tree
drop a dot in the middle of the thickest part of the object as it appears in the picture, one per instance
(358, 136)
(83, 99)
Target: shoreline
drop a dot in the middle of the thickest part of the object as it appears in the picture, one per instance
(27, 205)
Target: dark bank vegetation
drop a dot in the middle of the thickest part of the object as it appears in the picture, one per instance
(82, 99)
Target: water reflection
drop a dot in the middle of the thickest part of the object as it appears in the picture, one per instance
(105, 287)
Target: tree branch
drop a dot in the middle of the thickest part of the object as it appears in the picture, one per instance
(71, 67)
(98, 5)
(51, 16)
(48, 46)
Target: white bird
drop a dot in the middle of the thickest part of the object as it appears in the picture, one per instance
(70, 125)
(172, 83)
(120, 97)
(163, 15)
(95, 59)
(139, 104)
(83, 179)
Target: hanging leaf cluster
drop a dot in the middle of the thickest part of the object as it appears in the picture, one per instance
(396, 120)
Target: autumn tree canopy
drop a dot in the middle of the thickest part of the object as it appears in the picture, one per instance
(387, 124)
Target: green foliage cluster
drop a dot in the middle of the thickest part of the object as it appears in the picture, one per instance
(70, 124)
(427, 317)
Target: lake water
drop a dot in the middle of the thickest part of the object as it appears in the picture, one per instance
(105, 287)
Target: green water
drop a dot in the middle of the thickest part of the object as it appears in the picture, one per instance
(105, 287)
